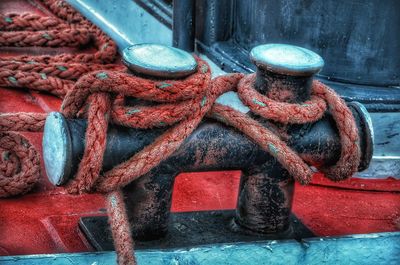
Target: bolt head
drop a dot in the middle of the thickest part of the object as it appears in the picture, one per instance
(57, 148)
(286, 59)
(158, 60)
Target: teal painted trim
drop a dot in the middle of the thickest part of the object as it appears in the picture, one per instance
(379, 248)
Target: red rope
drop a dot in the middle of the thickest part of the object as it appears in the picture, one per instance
(29, 22)
(69, 37)
(120, 228)
(283, 112)
(349, 138)
(20, 163)
(180, 105)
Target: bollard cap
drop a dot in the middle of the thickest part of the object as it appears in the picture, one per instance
(286, 59)
(158, 60)
(57, 148)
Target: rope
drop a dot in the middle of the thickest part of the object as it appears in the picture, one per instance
(68, 37)
(20, 165)
(92, 88)
(20, 162)
(309, 111)
(120, 228)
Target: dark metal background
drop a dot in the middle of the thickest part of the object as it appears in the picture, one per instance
(359, 40)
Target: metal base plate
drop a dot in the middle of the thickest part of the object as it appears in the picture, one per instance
(187, 230)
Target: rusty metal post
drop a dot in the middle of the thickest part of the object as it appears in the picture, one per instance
(266, 189)
(284, 73)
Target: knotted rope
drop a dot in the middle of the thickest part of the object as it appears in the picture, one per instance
(180, 105)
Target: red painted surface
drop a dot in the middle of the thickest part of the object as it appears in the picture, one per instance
(45, 221)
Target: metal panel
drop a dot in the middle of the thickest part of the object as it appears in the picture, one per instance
(124, 21)
(359, 40)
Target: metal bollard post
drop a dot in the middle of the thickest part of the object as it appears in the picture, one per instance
(266, 189)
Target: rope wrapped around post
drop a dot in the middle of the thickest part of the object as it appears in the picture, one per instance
(182, 104)
(99, 95)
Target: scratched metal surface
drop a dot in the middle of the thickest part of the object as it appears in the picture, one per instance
(386, 158)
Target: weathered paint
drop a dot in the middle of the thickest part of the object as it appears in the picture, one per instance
(380, 248)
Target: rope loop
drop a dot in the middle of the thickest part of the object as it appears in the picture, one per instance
(185, 101)
(309, 111)
(282, 112)
(350, 153)
(129, 85)
(20, 165)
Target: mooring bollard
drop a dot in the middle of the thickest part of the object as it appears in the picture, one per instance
(284, 72)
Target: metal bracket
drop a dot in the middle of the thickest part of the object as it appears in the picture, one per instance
(190, 229)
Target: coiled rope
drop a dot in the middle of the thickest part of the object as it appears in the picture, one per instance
(178, 105)
(53, 74)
